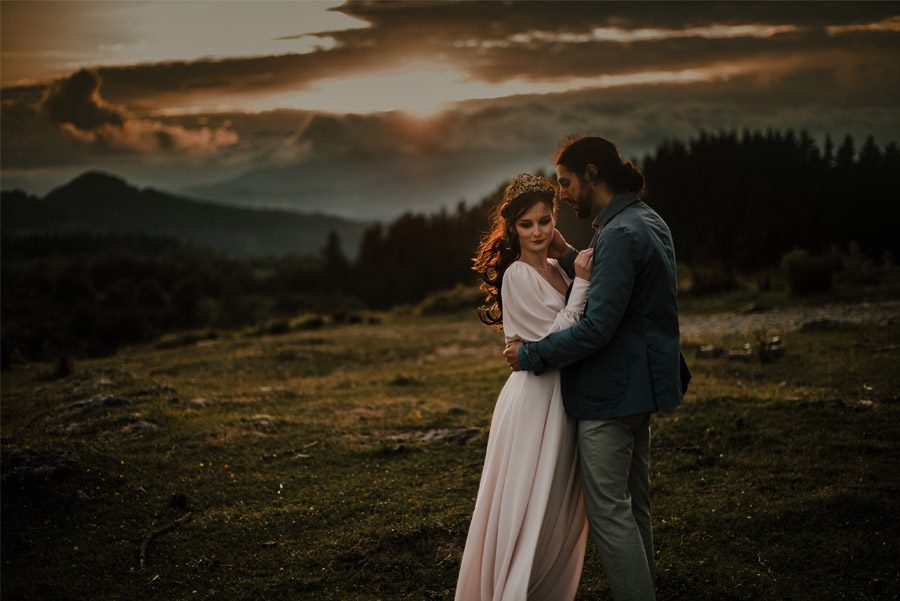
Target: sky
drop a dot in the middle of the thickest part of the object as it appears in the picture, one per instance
(371, 109)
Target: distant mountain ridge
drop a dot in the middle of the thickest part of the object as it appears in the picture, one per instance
(97, 201)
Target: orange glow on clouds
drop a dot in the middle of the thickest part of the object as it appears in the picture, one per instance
(615, 34)
(427, 89)
(891, 24)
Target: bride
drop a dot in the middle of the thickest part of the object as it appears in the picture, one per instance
(528, 531)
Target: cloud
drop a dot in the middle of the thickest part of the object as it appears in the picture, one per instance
(637, 73)
(378, 165)
(578, 17)
(94, 34)
(532, 42)
(891, 24)
(72, 123)
(76, 101)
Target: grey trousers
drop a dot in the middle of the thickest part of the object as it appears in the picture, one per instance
(615, 465)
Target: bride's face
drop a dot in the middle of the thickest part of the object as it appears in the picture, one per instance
(535, 228)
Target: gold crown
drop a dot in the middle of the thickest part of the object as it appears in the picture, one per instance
(526, 182)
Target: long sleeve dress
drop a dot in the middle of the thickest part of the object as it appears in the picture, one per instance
(528, 532)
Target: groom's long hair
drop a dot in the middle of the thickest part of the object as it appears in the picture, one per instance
(499, 247)
(575, 153)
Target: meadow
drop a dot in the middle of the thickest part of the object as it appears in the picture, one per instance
(340, 461)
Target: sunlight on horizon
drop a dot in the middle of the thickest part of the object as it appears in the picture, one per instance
(424, 90)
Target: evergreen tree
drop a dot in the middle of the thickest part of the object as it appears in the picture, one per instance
(828, 152)
(870, 155)
(846, 153)
(335, 265)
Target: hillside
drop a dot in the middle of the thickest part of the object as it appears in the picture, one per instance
(98, 201)
(342, 464)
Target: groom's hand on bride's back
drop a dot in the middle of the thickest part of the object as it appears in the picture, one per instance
(558, 246)
(511, 353)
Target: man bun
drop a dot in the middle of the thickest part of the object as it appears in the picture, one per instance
(630, 179)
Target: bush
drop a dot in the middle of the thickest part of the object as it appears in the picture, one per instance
(185, 339)
(807, 273)
(854, 267)
(151, 293)
(710, 279)
(313, 322)
(348, 317)
(278, 326)
(460, 298)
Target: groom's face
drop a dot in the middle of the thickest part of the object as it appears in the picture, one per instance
(574, 192)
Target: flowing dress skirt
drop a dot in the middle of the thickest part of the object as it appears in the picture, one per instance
(528, 531)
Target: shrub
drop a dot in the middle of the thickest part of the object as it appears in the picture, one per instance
(151, 293)
(807, 273)
(175, 340)
(313, 322)
(710, 279)
(853, 266)
(460, 298)
(349, 317)
(119, 295)
(278, 326)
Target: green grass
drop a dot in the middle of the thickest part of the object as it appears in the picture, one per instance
(771, 481)
(884, 285)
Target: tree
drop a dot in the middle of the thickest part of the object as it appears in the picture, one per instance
(870, 155)
(828, 153)
(846, 153)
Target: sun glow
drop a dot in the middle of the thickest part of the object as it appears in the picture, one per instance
(424, 90)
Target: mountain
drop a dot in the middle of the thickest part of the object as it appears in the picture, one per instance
(97, 201)
(375, 189)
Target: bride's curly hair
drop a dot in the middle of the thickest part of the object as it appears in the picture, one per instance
(499, 246)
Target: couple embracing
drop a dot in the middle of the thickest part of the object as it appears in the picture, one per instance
(592, 340)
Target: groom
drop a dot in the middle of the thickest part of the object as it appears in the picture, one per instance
(621, 362)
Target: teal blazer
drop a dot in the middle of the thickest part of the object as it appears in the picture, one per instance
(623, 357)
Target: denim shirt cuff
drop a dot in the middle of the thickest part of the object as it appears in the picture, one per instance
(526, 361)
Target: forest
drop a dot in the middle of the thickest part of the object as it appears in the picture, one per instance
(736, 203)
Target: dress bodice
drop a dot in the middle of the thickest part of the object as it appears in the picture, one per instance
(533, 308)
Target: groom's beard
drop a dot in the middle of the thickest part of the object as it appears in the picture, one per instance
(584, 202)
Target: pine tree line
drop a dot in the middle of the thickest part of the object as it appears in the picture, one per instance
(739, 201)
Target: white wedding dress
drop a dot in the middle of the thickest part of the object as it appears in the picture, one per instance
(528, 531)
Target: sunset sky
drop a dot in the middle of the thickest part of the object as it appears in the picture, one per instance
(370, 109)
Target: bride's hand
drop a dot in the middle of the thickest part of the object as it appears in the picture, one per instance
(558, 246)
(511, 354)
(583, 263)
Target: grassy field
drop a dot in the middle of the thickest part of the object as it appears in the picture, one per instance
(343, 463)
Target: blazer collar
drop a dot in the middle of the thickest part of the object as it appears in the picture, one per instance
(618, 204)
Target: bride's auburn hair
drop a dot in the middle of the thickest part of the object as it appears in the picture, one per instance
(499, 246)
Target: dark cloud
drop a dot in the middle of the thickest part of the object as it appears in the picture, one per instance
(576, 16)
(494, 42)
(77, 100)
(72, 123)
(159, 85)
(547, 60)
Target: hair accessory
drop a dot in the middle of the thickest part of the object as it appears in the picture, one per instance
(526, 182)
